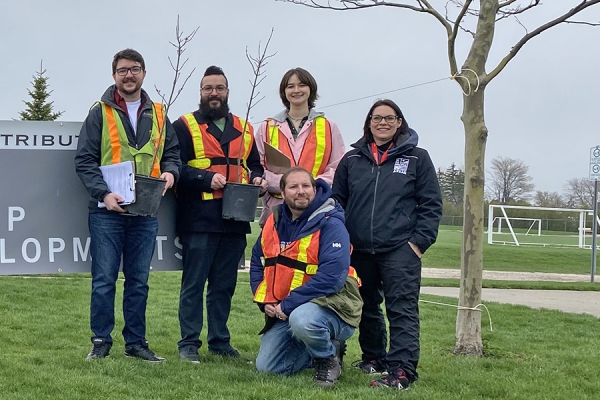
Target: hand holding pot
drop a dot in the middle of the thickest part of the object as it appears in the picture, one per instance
(111, 201)
(261, 182)
(167, 176)
(218, 182)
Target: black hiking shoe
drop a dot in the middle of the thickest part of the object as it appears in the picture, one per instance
(395, 378)
(142, 351)
(327, 371)
(340, 350)
(101, 349)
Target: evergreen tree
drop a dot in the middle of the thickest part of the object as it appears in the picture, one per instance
(39, 109)
(452, 184)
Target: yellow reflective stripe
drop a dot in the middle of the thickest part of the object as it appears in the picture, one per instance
(247, 148)
(158, 118)
(297, 279)
(196, 135)
(320, 132)
(261, 292)
(311, 269)
(198, 145)
(302, 256)
(274, 136)
(302, 247)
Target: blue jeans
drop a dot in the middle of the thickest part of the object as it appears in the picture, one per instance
(133, 238)
(212, 257)
(290, 346)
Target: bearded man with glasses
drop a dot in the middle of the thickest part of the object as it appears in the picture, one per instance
(217, 147)
(124, 125)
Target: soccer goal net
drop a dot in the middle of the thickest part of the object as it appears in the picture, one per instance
(540, 226)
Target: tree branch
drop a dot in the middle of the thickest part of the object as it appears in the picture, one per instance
(177, 66)
(583, 23)
(452, 37)
(517, 10)
(561, 19)
(506, 3)
(257, 63)
(353, 4)
(423, 6)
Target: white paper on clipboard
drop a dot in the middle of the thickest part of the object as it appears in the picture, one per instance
(120, 179)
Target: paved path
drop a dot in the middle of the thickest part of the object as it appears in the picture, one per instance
(563, 300)
(510, 276)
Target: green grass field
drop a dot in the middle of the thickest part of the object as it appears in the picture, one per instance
(44, 337)
(445, 253)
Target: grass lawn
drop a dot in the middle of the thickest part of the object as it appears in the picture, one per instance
(44, 337)
(445, 253)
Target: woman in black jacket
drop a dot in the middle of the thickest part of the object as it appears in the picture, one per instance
(389, 190)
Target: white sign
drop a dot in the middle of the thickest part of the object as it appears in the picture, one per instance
(595, 163)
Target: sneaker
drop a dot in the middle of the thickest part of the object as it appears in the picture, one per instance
(340, 350)
(232, 353)
(327, 371)
(100, 350)
(395, 378)
(142, 351)
(371, 367)
(189, 353)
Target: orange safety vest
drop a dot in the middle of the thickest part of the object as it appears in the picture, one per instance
(317, 148)
(287, 268)
(209, 153)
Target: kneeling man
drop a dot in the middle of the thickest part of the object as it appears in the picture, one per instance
(306, 286)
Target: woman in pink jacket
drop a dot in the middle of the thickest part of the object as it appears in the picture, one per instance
(304, 135)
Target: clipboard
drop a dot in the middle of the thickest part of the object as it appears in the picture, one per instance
(120, 179)
(275, 160)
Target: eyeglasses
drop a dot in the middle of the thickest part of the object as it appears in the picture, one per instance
(134, 70)
(208, 89)
(390, 119)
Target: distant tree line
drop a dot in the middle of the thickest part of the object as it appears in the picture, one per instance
(508, 182)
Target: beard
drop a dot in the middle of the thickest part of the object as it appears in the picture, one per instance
(121, 86)
(291, 203)
(214, 113)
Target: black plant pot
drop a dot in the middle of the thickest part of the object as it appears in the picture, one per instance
(239, 201)
(148, 194)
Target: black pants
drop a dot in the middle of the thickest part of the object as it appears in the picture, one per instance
(395, 275)
(213, 257)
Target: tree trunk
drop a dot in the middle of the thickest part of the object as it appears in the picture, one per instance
(468, 322)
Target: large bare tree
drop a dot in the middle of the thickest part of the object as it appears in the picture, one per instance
(509, 180)
(474, 21)
(580, 193)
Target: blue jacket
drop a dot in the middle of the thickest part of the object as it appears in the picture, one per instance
(334, 248)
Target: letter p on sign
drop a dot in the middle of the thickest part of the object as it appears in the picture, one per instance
(15, 214)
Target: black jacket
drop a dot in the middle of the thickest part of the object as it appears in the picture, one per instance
(193, 213)
(389, 204)
(87, 158)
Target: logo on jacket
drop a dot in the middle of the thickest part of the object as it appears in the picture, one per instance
(335, 244)
(400, 166)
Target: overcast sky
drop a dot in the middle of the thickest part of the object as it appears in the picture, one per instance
(543, 108)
